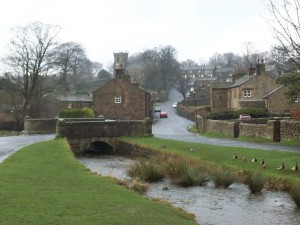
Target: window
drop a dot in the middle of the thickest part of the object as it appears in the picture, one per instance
(118, 99)
(295, 99)
(247, 93)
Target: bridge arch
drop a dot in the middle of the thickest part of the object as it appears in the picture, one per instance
(99, 147)
(95, 134)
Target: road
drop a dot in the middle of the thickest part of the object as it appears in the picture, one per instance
(175, 127)
(11, 144)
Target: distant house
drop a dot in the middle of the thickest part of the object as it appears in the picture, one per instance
(120, 99)
(277, 102)
(54, 103)
(224, 74)
(219, 92)
(248, 91)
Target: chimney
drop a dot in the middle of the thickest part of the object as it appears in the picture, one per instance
(260, 67)
(251, 70)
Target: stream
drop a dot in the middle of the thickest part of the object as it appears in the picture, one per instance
(210, 205)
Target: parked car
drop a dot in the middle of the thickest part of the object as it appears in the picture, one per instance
(157, 109)
(244, 117)
(175, 105)
(163, 115)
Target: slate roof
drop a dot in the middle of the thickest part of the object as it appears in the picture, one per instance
(274, 91)
(75, 98)
(221, 85)
(241, 81)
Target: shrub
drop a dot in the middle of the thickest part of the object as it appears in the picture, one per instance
(85, 112)
(224, 178)
(88, 112)
(228, 115)
(255, 182)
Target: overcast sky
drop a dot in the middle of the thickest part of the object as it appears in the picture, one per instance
(195, 28)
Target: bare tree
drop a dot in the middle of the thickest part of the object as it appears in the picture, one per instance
(183, 86)
(28, 63)
(160, 67)
(188, 63)
(71, 61)
(284, 16)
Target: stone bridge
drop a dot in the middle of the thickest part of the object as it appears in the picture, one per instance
(96, 135)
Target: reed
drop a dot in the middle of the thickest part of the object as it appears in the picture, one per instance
(295, 193)
(146, 170)
(224, 178)
(255, 182)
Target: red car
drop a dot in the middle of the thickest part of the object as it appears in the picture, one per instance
(244, 117)
(163, 115)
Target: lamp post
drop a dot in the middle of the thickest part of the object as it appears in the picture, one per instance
(194, 92)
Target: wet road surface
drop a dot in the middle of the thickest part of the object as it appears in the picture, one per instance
(175, 128)
(11, 144)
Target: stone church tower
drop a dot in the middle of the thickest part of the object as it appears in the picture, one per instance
(120, 63)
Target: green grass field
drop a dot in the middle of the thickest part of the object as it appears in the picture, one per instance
(221, 156)
(44, 184)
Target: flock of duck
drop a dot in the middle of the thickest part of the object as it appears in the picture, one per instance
(263, 164)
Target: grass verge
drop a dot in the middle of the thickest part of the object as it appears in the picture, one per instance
(44, 184)
(250, 139)
(221, 157)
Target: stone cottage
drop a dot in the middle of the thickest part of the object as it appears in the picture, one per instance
(277, 102)
(120, 98)
(246, 92)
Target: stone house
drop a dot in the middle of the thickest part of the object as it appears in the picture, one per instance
(199, 97)
(121, 99)
(246, 92)
(277, 103)
(218, 93)
(54, 103)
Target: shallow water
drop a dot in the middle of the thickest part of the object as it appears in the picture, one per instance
(211, 205)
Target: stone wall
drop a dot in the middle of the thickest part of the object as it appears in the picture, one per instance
(222, 126)
(253, 130)
(40, 126)
(289, 130)
(9, 125)
(97, 128)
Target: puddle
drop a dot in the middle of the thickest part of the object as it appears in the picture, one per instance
(210, 205)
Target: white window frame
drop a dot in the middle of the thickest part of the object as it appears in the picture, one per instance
(118, 99)
(247, 93)
(295, 99)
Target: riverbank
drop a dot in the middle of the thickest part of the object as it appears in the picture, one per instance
(221, 157)
(44, 184)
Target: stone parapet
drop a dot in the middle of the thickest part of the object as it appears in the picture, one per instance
(39, 126)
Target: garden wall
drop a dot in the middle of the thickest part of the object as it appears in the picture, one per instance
(274, 129)
(223, 127)
(289, 130)
(253, 130)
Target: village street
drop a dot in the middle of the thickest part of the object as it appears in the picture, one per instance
(175, 127)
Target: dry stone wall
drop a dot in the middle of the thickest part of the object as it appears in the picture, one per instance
(289, 130)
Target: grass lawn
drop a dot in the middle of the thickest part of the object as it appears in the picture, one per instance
(249, 139)
(44, 184)
(221, 156)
